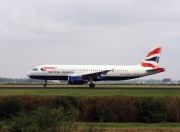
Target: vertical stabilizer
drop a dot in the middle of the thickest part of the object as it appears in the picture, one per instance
(152, 58)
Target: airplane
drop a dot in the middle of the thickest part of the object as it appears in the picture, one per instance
(81, 74)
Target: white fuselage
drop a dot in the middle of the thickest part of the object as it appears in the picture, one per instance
(62, 72)
(80, 74)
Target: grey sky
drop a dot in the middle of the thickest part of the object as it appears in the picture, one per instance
(114, 32)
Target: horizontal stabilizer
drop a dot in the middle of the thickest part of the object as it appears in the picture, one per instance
(158, 70)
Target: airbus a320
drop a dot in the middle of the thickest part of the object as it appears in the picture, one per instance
(81, 74)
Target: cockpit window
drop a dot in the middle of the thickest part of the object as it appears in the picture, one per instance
(34, 69)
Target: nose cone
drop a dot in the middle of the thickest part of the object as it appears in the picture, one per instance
(28, 74)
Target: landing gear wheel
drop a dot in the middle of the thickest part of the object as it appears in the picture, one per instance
(45, 84)
(92, 85)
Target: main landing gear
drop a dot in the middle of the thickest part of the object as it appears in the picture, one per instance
(91, 85)
(45, 83)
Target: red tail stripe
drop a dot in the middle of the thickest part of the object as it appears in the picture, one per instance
(148, 65)
(156, 51)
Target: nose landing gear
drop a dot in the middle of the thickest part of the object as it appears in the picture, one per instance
(45, 84)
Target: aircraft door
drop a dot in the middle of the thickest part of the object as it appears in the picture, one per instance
(136, 71)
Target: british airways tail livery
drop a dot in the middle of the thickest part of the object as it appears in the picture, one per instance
(81, 74)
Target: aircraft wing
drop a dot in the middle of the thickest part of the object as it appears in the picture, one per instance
(95, 74)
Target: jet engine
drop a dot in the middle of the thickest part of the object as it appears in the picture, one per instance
(76, 80)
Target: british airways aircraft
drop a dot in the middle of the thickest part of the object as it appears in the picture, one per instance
(81, 74)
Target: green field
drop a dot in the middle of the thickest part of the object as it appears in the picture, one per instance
(122, 127)
(83, 90)
(97, 85)
(133, 125)
(74, 92)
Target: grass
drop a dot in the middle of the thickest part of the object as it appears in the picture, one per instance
(116, 127)
(135, 127)
(120, 125)
(83, 90)
(97, 85)
(89, 92)
(132, 125)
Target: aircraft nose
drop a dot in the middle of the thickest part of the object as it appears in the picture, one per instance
(28, 74)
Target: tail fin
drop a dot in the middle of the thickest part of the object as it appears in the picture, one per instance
(152, 58)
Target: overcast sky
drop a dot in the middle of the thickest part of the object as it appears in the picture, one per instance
(95, 32)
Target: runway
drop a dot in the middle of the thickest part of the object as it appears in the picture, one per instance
(87, 88)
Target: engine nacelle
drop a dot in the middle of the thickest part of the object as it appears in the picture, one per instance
(76, 80)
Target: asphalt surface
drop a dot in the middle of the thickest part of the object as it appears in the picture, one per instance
(97, 88)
